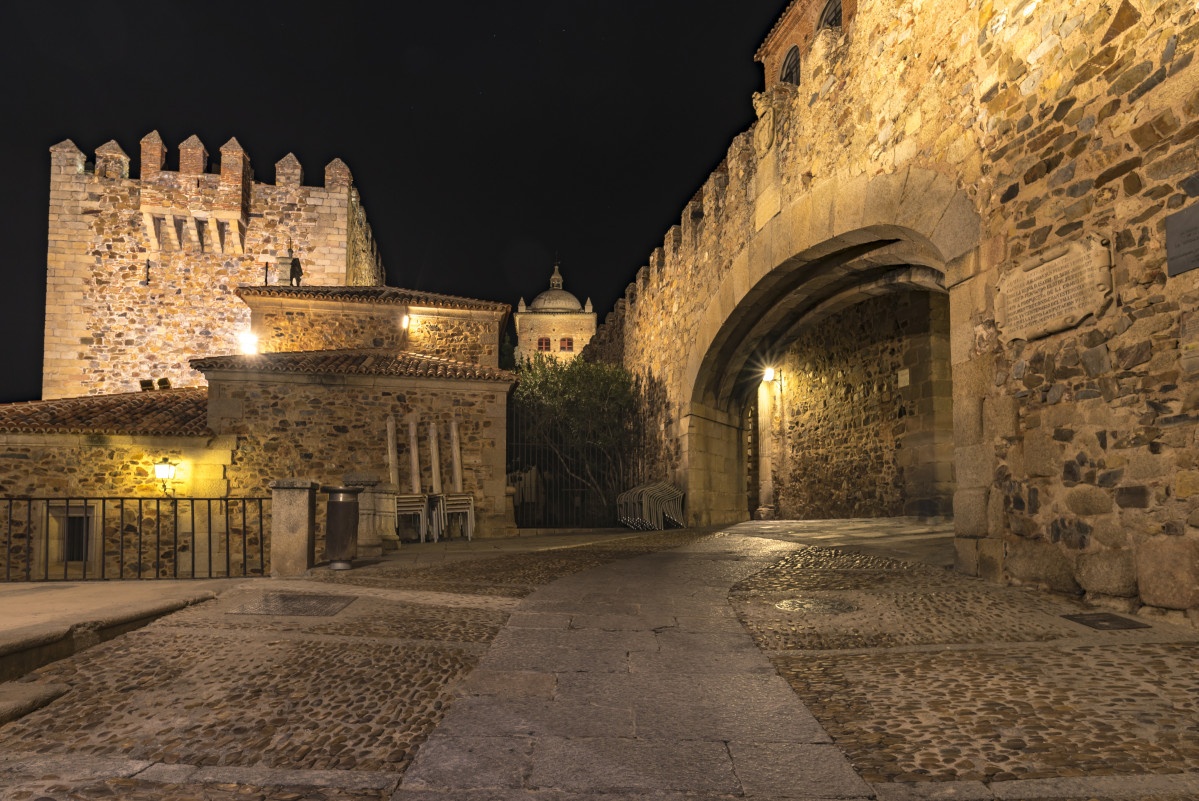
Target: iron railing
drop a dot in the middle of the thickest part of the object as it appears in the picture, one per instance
(78, 538)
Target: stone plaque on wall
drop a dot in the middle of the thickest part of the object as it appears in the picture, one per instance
(1182, 241)
(1055, 293)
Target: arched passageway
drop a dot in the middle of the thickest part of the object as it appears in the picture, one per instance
(854, 322)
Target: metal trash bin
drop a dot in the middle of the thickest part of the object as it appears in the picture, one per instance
(341, 526)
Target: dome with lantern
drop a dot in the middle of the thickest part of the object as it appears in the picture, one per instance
(555, 299)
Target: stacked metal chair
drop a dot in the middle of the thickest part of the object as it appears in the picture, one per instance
(437, 515)
(417, 505)
(433, 509)
(460, 503)
(650, 507)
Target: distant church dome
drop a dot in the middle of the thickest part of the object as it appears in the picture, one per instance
(555, 299)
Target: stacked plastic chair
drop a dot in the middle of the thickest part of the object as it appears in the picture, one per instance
(651, 507)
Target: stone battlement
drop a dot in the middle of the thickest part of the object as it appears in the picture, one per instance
(141, 271)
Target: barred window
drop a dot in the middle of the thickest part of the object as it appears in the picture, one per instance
(831, 16)
(791, 67)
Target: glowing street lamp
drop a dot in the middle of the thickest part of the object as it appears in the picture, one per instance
(248, 343)
(768, 375)
(164, 471)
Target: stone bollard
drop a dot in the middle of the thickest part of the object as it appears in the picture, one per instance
(376, 515)
(293, 526)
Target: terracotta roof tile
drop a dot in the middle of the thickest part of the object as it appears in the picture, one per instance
(355, 362)
(773, 29)
(166, 412)
(371, 294)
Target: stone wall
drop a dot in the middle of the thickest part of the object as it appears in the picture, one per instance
(359, 326)
(97, 466)
(464, 336)
(141, 272)
(530, 326)
(1085, 438)
(322, 429)
(974, 139)
(858, 401)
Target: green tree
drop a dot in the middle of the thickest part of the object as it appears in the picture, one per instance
(582, 415)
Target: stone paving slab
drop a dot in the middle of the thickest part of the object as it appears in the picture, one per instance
(622, 764)
(505, 717)
(471, 763)
(638, 709)
(790, 770)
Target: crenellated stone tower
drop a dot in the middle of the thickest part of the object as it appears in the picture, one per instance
(141, 272)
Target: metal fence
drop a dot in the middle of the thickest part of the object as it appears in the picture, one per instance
(76, 539)
(559, 483)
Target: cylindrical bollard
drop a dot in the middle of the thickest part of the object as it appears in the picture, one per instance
(341, 526)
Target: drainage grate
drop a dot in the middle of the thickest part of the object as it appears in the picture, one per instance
(295, 604)
(816, 606)
(1106, 621)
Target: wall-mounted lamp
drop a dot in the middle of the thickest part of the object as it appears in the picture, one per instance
(768, 375)
(248, 343)
(404, 322)
(164, 471)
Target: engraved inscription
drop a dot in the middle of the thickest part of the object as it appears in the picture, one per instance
(1182, 241)
(1056, 294)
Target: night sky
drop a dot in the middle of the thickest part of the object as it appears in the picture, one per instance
(484, 138)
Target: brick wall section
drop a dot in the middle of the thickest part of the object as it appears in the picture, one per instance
(107, 327)
(797, 28)
(1076, 454)
(309, 429)
(849, 431)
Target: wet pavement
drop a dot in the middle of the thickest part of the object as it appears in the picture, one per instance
(811, 660)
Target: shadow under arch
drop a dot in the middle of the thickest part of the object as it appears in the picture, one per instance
(840, 244)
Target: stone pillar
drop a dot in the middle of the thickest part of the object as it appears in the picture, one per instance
(293, 526)
(376, 515)
(765, 451)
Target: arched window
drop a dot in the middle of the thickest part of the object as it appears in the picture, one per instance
(791, 67)
(566, 344)
(831, 16)
(543, 344)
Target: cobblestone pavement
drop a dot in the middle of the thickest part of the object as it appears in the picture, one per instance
(609, 672)
(923, 675)
(213, 688)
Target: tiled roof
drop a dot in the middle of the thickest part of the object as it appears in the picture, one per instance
(773, 29)
(355, 362)
(371, 294)
(164, 412)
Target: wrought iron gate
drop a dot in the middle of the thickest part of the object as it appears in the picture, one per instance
(559, 483)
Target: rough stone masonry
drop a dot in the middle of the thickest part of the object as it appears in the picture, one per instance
(1024, 158)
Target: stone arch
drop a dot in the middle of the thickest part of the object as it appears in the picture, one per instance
(839, 243)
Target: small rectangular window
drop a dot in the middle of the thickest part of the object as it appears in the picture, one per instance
(543, 344)
(77, 529)
(567, 344)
